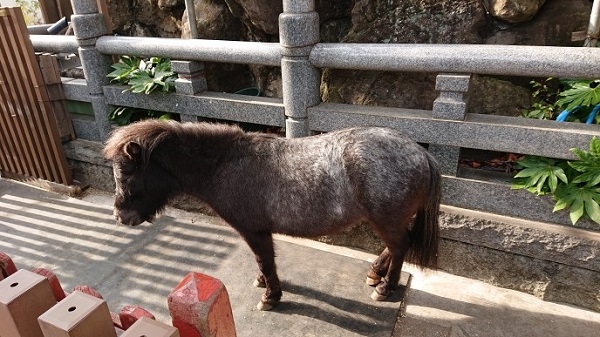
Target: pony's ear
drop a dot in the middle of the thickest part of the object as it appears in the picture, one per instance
(133, 151)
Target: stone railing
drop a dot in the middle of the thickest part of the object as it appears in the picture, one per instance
(447, 128)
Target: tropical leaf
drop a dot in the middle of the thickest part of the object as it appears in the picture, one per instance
(580, 93)
(141, 82)
(588, 164)
(580, 200)
(121, 115)
(123, 69)
(142, 76)
(539, 175)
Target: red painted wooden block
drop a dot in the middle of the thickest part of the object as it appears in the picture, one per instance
(7, 266)
(57, 289)
(88, 290)
(200, 307)
(130, 314)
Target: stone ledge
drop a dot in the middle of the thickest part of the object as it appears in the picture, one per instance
(240, 108)
(486, 132)
(548, 280)
(497, 198)
(570, 246)
(86, 151)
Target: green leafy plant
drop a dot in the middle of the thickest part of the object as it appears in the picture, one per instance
(123, 69)
(125, 115)
(574, 185)
(142, 76)
(544, 100)
(539, 175)
(584, 93)
(578, 97)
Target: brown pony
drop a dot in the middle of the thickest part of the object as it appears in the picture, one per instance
(261, 184)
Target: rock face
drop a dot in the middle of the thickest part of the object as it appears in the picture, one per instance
(446, 21)
(146, 17)
(531, 22)
(463, 21)
(215, 21)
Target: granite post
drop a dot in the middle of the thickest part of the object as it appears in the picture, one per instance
(88, 26)
(298, 33)
(190, 81)
(451, 104)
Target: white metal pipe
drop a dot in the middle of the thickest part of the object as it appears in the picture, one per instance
(591, 38)
(191, 13)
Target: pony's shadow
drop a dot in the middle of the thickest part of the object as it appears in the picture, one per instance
(351, 315)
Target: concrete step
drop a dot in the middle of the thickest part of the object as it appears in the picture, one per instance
(413, 327)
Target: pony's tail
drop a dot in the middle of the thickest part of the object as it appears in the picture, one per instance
(425, 232)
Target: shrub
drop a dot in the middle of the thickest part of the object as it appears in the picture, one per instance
(574, 185)
(142, 76)
(575, 98)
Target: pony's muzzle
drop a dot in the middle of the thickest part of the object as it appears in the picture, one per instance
(128, 217)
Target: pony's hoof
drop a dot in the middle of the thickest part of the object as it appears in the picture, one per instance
(259, 283)
(373, 281)
(378, 297)
(263, 306)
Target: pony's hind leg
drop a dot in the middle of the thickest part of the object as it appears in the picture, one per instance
(379, 268)
(397, 241)
(261, 244)
(259, 281)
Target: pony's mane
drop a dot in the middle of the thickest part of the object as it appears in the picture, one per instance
(151, 133)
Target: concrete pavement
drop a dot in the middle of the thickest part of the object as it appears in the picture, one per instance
(324, 290)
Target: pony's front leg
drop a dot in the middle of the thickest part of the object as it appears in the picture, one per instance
(261, 244)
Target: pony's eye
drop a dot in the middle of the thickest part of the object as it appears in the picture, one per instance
(128, 169)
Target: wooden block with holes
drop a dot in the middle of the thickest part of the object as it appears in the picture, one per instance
(24, 296)
(7, 266)
(146, 327)
(78, 315)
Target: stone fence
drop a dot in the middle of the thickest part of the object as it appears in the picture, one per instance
(446, 128)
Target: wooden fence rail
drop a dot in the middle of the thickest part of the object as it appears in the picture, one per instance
(30, 144)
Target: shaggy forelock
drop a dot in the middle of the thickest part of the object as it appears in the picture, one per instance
(148, 134)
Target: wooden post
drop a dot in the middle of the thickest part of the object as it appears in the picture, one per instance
(56, 97)
(150, 328)
(24, 296)
(78, 315)
(200, 307)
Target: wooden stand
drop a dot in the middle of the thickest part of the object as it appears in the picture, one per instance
(78, 315)
(150, 328)
(24, 296)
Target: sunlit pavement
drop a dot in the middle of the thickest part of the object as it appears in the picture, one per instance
(324, 290)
